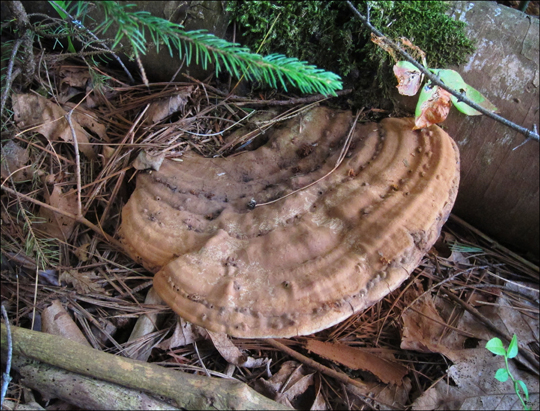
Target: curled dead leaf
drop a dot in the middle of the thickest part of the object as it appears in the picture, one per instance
(148, 161)
(232, 354)
(14, 159)
(433, 106)
(84, 283)
(57, 321)
(48, 119)
(57, 225)
(165, 107)
(409, 78)
(289, 386)
(185, 333)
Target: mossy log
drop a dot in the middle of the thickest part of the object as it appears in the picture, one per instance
(188, 390)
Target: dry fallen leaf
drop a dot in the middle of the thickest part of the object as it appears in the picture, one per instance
(57, 321)
(473, 385)
(84, 283)
(422, 327)
(88, 119)
(57, 225)
(184, 334)
(146, 160)
(380, 396)
(433, 106)
(232, 354)
(82, 252)
(357, 359)
(14, 159)
(165, 107)
(48, 118)
(289, 386)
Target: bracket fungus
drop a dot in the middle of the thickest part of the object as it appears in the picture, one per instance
(228, 262)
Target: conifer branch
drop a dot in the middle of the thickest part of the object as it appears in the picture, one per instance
(273, 69)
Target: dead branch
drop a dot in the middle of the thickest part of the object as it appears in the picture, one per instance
(188, 390)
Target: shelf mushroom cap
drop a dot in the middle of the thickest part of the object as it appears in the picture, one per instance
(228, 263)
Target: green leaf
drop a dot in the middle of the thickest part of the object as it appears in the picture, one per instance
(425, 94)
(513, 347)
(523, 388)
(496, 346)
(454, 80)
(406, 65)
(501, 374)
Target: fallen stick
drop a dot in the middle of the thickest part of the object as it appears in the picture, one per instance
(192, 392)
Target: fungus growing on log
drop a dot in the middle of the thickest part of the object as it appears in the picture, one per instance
(227, 262)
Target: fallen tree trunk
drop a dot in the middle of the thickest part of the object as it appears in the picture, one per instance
(187, 390)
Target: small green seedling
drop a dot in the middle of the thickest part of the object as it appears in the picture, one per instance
(496, 346)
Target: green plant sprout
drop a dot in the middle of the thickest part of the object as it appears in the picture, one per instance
(496, 346)
(273, 69)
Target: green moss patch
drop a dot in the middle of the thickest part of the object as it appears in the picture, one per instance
(325, 33)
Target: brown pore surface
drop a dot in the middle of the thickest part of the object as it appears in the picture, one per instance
(310, 260)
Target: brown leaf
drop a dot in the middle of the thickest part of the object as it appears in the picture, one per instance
(58, 225)
(88, 119)
(381, 42)
(75, 76)
(380, 396)
(14, 159)
(82, 252)
(289, 386)
(474, 387)
(423, 327)
(163, 108)
(184, 334)
(358, 359)
(145, 161)
(57, 321)
(84, 283)
(409, 81)
(48, 119)
(435, 109)
(232, 354)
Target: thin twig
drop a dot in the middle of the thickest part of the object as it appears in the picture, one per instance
(23, 24)
(242, 101)
(6, 376)
(494, 244)
(525, 352)
(77, 162)
(200, 359)
(91, 34)
(339, 376)
(10, 75)
(435, 79)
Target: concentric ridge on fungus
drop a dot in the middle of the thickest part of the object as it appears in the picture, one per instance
(310, 260)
